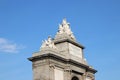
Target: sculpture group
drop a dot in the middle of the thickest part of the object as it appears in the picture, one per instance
(64, 29)
(48, 43)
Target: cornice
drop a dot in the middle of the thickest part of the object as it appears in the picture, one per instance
(58, 58)
(70, 41)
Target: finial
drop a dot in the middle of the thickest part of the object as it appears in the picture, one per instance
(64, 22)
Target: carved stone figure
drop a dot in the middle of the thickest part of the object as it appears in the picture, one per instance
(48, 43)
(65, 28)
(60, 29)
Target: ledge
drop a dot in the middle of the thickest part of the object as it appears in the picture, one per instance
(68, 40)
(58, 58)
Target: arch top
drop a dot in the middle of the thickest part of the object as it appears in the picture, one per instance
(75, 78)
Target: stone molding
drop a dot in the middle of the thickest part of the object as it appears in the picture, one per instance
(58, 58)
(68, 40)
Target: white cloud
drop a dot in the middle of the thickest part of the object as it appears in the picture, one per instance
(9, 47)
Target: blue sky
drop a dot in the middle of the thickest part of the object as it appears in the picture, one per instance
(25, 23)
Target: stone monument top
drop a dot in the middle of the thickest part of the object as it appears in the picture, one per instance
(64, 31)
(61, 58)
(64, 44)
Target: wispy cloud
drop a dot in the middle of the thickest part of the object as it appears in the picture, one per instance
(9, 47)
